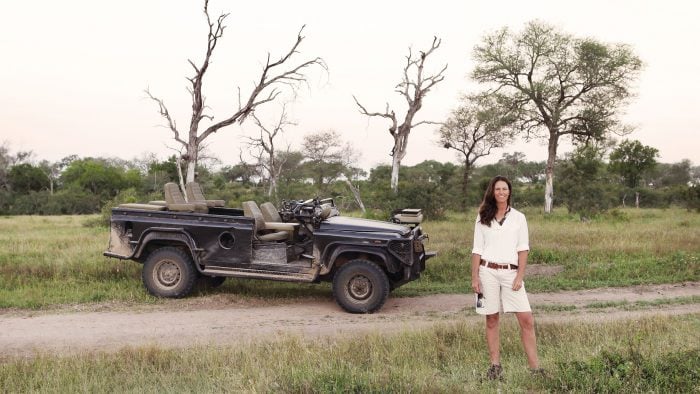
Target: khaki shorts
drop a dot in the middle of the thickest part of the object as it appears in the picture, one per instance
(497, 290)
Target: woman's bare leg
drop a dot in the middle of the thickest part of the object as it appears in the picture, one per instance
(493, 338)
(527, 335)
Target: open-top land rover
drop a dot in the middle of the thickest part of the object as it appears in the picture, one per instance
(179, 242)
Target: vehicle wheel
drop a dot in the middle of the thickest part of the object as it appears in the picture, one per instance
(360, 286)
(212, 282)
(169, 272)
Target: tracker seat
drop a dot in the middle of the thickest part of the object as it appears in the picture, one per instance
(194, 194)
(175, 201)
(268, 231)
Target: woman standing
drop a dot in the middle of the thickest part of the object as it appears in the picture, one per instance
(499, 258)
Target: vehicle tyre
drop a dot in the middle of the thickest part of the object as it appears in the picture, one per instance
(169, 272)
(360, 286)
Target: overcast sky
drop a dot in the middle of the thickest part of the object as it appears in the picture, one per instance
(73, 72)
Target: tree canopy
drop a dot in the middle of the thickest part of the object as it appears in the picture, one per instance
(560, 85)
(631, 160)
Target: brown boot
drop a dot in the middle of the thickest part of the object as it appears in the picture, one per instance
(495, 372)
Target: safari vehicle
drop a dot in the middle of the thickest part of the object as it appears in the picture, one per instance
(179, 242)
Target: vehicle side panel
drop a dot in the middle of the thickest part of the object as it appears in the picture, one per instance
(221, 240)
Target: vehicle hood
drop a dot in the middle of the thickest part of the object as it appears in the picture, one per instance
(344, 223)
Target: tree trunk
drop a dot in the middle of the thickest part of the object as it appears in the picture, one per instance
(395, 165)
(272, 191)
(465, 185)
(179, 174)
(549, 173)
(356, 193)
(636, 199)
(192, 153)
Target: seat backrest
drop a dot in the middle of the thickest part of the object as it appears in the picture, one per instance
(250, 209)
(270, 212)
(194, 192)
(173, 194)
(268, 231)
(175, 201)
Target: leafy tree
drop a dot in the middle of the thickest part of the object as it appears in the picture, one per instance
(327, 157)
(7, 160)
(479, 125)
(561, 85)
(519, 168)
(673, 174)
(25, 177)
(631, 160)
(95, 176)
(692, 197)
(430, 185)
(585, 186)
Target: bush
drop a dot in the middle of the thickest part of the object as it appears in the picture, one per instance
(129, 195)
(630, 372)
(692, 198)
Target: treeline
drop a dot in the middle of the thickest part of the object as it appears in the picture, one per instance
(587, 184)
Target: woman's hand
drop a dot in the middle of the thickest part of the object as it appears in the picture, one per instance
(517, 282)
(476, 286)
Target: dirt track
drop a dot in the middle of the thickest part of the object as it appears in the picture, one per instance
(208, 320)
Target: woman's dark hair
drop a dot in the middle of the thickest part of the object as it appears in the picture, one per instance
(488, 208)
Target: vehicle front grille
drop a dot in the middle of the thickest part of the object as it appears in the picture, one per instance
(401, 249)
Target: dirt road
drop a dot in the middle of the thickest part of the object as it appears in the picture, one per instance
(213, 321)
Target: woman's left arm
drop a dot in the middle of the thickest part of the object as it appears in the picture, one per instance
(522, 248)
(522, 263)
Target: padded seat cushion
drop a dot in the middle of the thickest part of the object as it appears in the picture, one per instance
(175, 201)
(145, 207)
(270, 213)
(194, 194)
(271, 231)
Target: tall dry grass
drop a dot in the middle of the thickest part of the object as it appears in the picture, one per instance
(54, 260)
(658, 354)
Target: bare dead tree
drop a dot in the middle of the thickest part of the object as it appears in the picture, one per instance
(265, 150)
(414, 87)
(268, 87)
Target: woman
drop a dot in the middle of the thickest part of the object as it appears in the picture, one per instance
(499, 258)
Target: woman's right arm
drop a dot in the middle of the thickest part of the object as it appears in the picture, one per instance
(477, 250)
(476, 284)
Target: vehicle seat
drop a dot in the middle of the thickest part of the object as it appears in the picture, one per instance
(175, 201)
(268, 231)
(194, 194)
(145, 207)
(326, 211)
(270, 212)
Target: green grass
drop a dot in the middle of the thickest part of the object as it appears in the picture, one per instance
(55, 260)
(623, 305)
(650, 246)
(659, 354)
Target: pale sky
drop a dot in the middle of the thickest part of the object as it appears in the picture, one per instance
(73, 72)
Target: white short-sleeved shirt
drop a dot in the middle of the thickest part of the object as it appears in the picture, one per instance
(501, 243)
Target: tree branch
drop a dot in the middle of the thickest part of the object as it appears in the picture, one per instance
(163, 110)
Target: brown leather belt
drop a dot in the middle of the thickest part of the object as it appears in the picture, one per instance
(497, 266)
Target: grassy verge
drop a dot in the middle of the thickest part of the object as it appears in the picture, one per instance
(55, 260)
(631, 247)
(647, 355)
(621, 305)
